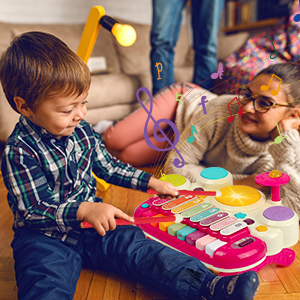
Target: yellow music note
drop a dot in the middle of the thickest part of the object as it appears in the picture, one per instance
(273, 92)
(163, 176)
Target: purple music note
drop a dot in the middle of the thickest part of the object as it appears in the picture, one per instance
(176, 161)
(219, 73)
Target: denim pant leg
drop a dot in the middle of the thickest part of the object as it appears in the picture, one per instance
(46, 268)
(126, 251)
(205, 23)
(166, 21)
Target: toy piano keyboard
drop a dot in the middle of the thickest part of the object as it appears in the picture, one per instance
(235, 232)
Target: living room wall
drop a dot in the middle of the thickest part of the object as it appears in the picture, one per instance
(72, 11)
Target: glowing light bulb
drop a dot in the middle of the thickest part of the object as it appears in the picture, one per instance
(275, 174)
(125, 34)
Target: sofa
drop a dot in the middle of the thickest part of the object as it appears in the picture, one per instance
(112, 95)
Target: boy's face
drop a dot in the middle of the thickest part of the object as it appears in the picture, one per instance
(60, 115)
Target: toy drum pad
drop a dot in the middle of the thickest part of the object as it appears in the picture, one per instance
(235, 232)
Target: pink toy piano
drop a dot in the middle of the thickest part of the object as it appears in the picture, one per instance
(234, 231)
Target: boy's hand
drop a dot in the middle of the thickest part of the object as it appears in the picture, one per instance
(163, 188)
(101, 216)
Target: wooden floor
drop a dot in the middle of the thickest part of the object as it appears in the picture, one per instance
(278, 283)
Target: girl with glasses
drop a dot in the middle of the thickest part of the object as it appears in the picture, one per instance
(245, 147)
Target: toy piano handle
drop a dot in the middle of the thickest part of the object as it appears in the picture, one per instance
(191, 193)
(177, 218)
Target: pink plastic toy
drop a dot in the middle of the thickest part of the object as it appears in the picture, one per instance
(190, 193)
(273, 179)
(120, 222)
(236, 232)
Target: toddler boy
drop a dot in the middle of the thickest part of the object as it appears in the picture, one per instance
(47, 168)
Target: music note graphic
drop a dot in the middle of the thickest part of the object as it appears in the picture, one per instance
(273, 52)
(280, 138)
(176, 161)
(219, 73)
(192, 138)
(158, 70)
(163, 176)
(273, 92)
(246, 56)
(240, 112)
(180, 97)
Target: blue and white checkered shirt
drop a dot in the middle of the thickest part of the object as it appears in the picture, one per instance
(48, 178)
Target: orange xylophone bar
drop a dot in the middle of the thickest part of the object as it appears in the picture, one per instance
(142, 220)
(191, 193)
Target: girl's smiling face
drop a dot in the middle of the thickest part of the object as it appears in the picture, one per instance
(259, 125)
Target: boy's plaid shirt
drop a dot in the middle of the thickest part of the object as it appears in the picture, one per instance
(48, 178)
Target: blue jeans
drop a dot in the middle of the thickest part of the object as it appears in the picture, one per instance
(48, 268)
(166, 20)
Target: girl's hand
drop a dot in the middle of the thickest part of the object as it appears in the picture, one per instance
(162, 187)
(101, 216)
(285, 125)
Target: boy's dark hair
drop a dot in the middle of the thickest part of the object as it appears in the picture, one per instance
(38, 66)
(290, 75)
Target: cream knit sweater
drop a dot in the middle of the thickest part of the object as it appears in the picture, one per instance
(219, 143)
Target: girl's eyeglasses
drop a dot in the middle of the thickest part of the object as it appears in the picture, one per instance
(261, 104)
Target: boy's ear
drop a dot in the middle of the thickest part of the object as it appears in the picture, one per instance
(22, 107)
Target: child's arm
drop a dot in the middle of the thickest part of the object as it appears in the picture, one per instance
(102, 215)
(125, 175)
(30, 194)
(162, 187)
(114, 171)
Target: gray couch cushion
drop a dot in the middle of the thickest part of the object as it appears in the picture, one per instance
(113, 89)
(71, 35)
